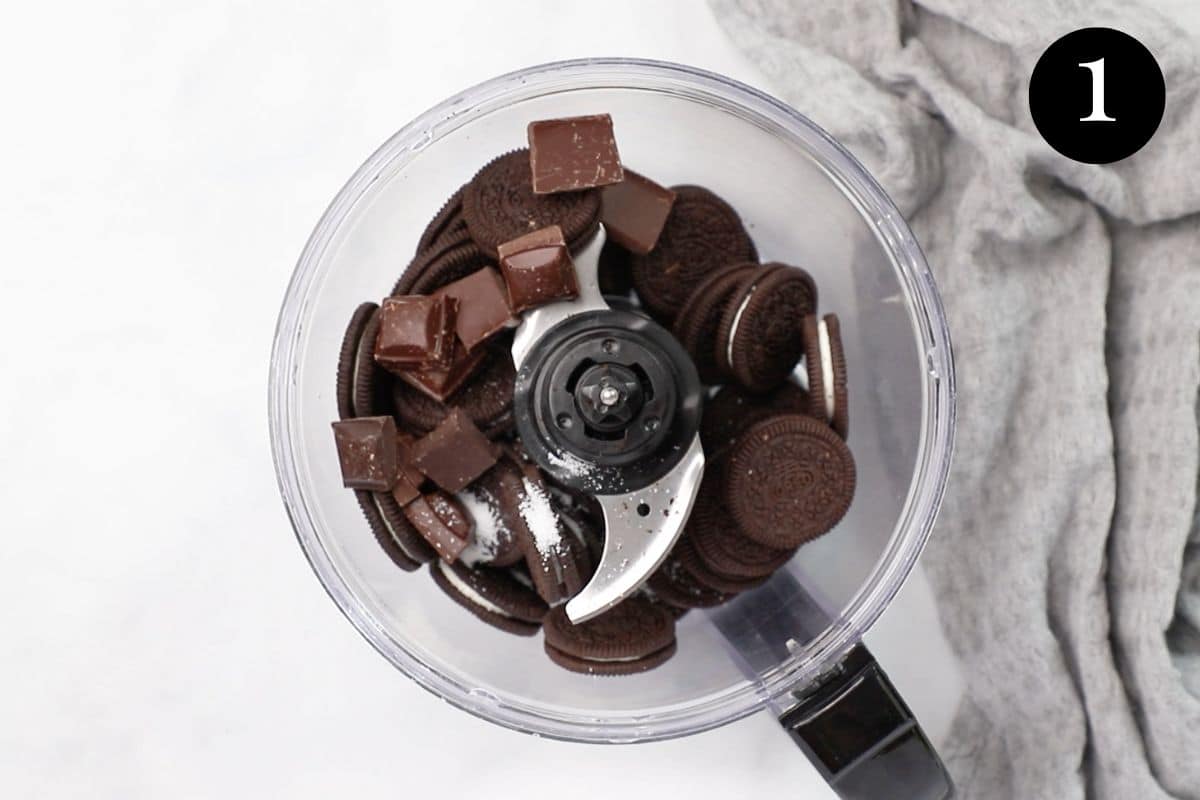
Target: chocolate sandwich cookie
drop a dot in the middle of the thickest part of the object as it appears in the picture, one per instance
(448, 259)
(702, 233)
(706, 576)
(789, 479)
(825, 362)
(674, 585)
(348, 358)
(369, 395)
(635, 635)
(401, 530)
(486, 399)
(493, 542)
(557, 562)
(732, 409)
(383, 536)
(492, 595)
(698, 323)
(759, 343)
(447, 217)
(713, 537)
(499, 205)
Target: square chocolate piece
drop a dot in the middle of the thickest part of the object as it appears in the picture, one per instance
(454, 453)
(367, 451)
(408, 477)
(416, 331)
(482, 306)
(634, 212)
(573, 153)
(537, 269)
(442, 522)
(439, 383)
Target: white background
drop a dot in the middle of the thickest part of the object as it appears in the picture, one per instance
(160, 633)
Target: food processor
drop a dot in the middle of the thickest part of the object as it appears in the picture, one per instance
(792, 646)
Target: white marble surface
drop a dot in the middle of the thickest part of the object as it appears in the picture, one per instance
(160, 633)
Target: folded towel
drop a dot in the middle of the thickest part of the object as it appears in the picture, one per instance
(1067, 557)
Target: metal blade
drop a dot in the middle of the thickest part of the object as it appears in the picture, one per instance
(536, 322)
(640, 528)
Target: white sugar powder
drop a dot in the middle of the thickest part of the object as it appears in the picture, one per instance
(540, 518)
(488, 527)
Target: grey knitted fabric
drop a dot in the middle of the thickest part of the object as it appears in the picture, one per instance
(1062, 563)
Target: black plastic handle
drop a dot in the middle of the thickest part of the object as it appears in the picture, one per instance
(863, 739)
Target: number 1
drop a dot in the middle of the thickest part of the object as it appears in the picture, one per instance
(1097, 69)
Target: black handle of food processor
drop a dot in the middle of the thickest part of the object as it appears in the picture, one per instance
(858, 732)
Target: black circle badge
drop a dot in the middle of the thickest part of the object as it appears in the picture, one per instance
(1097, 95)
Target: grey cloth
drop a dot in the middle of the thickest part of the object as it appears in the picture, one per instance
(1065, 578)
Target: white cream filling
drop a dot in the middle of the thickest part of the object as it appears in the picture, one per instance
(469, 592)
(737, 320)
(826, 368)
(391, 531)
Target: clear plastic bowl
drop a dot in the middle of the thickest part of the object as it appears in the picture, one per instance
(806, 201)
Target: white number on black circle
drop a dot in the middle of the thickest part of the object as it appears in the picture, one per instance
(1097, 69)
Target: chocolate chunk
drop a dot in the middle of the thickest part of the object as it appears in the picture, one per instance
(482, 306)
(487, 398)
(454, 453)
(416, 331)
(537, 269)
(573, 153)
(408, 477)
(634, 212)
(441, 383)
(442, 522)
(367, 452)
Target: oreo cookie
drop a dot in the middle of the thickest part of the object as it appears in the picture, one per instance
(633, 636)
(493, 542)
(499, 205)
(702, 233)
(492, 595)
(366, 502)
(444, 262)
(789, 479)
(486, 399)
(447, 218)
(706, 576)
(558, 564)
(401, 531)
(698, 324)
(369, 395)
(732, 409)
(348, 358)
(760, 342)
(673, 584)
(825, 362)
(713, 537)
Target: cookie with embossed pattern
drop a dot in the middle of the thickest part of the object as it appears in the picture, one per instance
(635, 629)
(712, 535)
(760, 340)
(789, 479)
(499, 205)
(702, 233)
